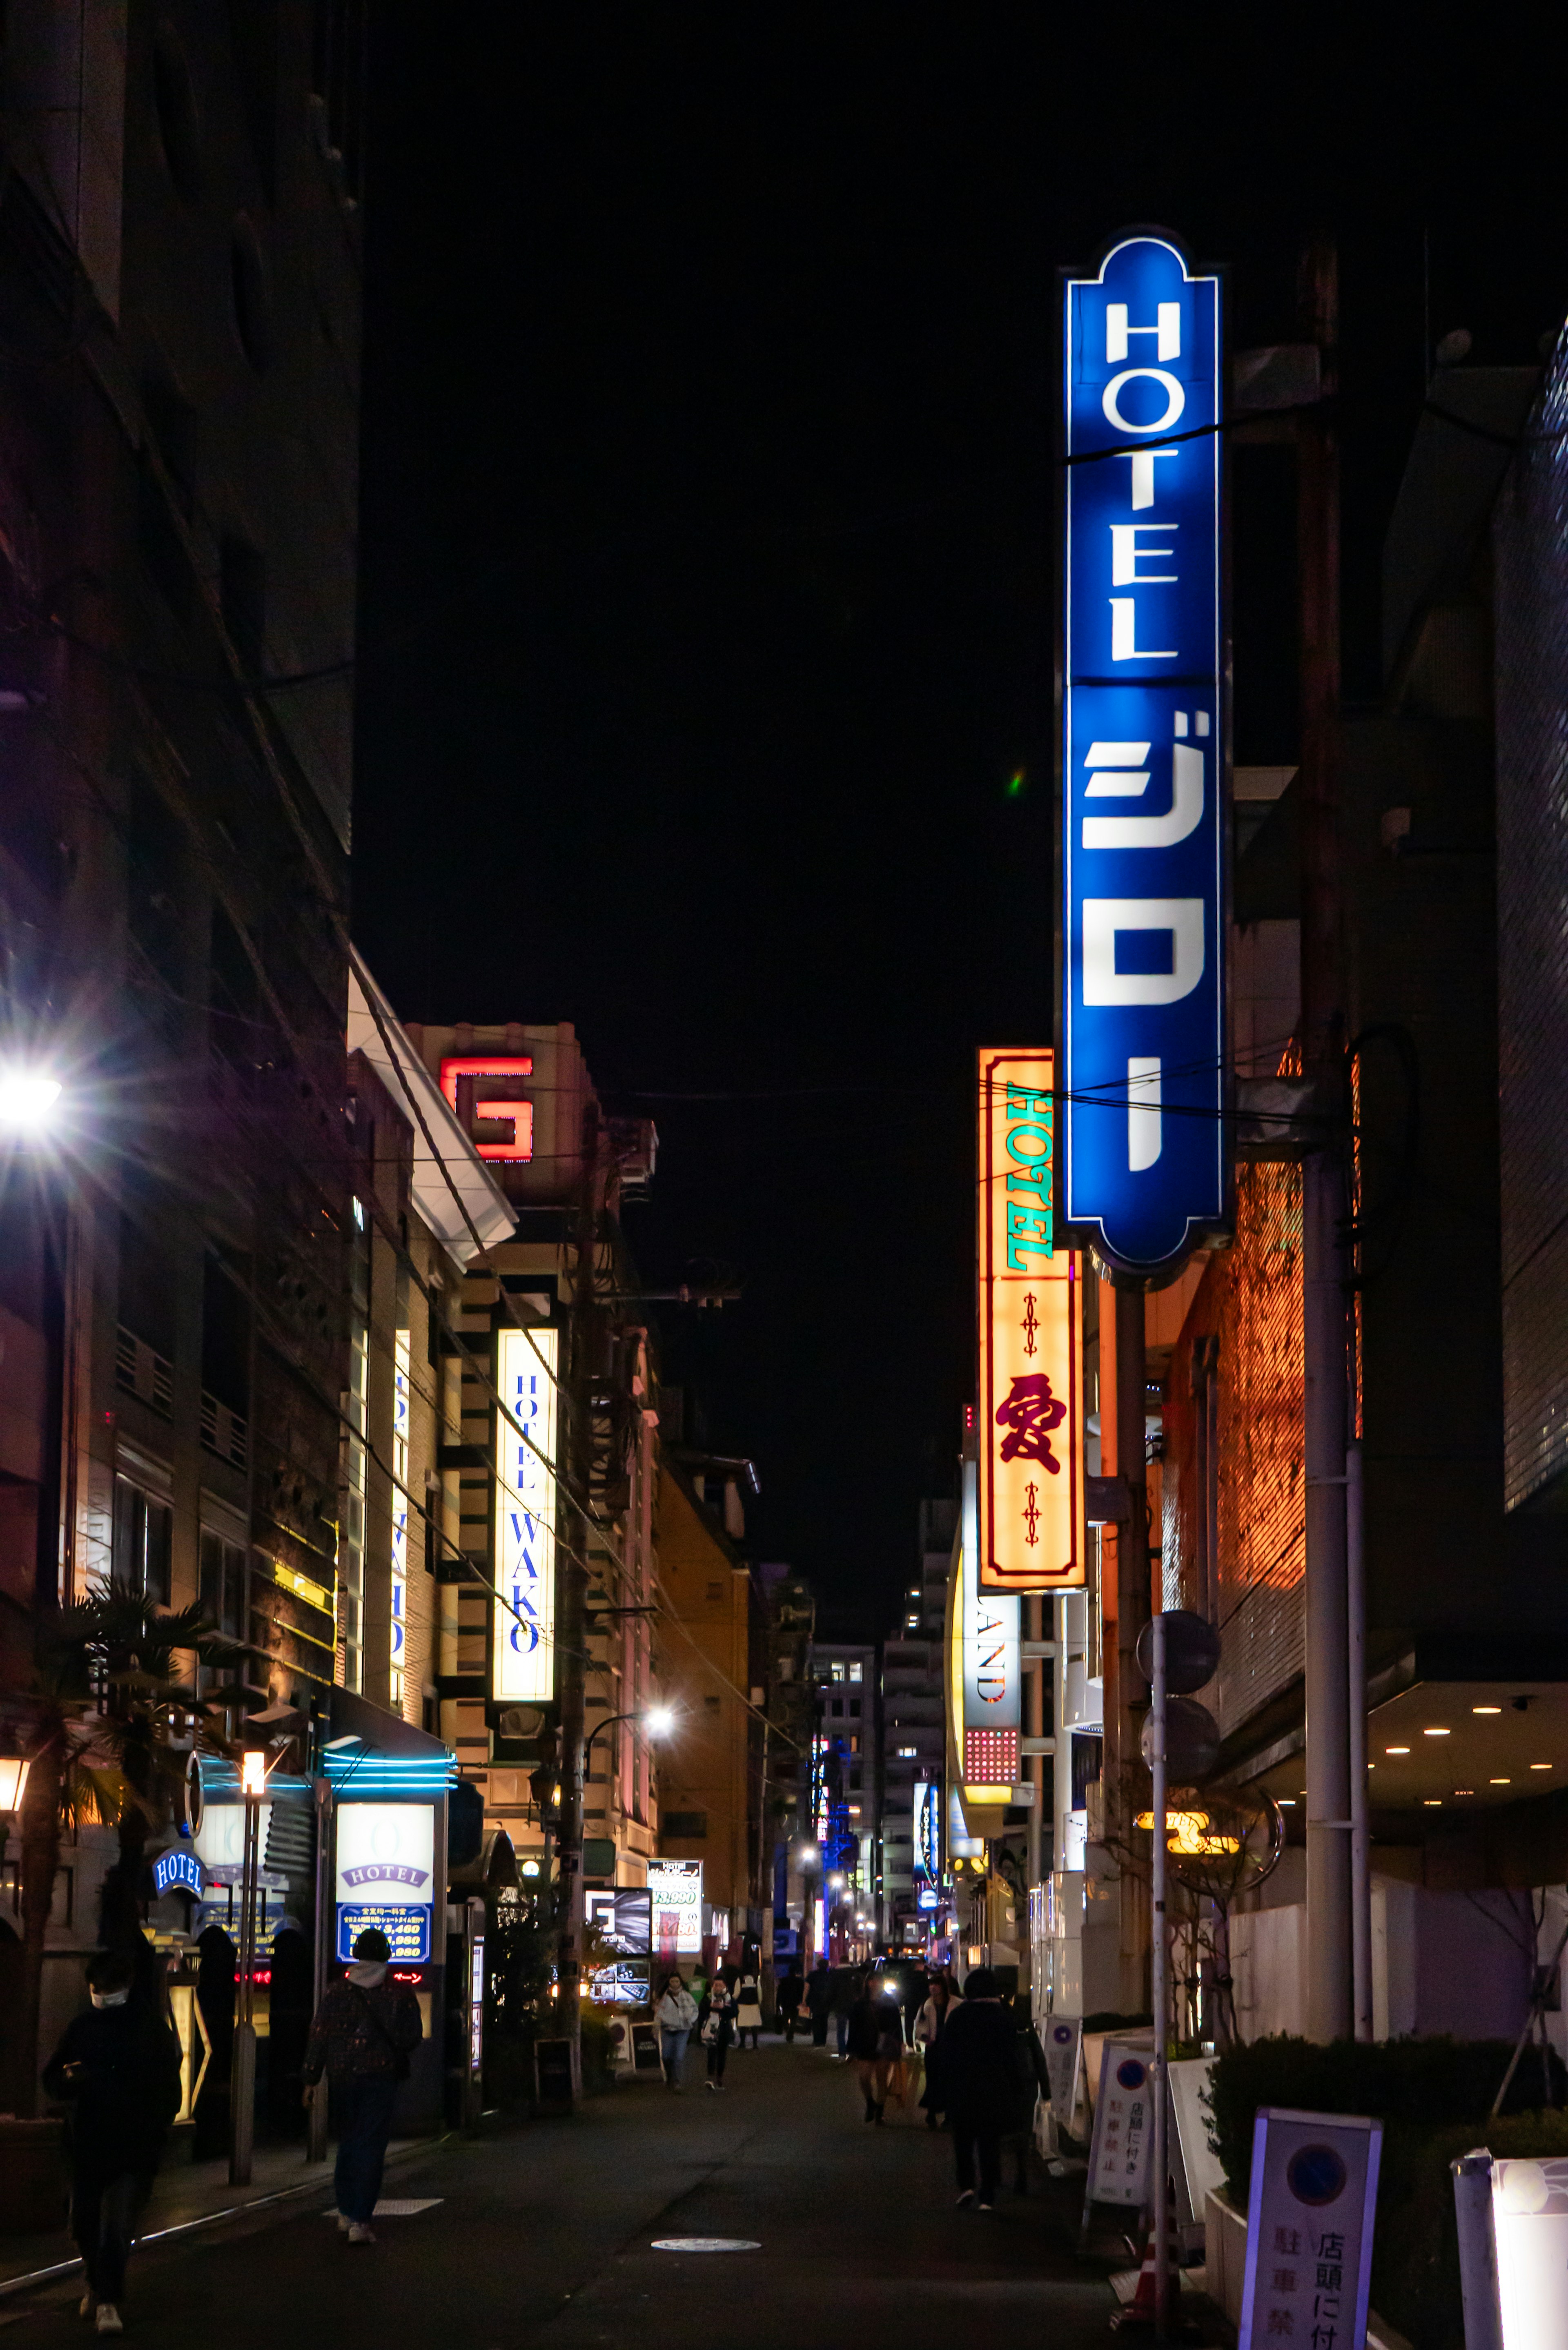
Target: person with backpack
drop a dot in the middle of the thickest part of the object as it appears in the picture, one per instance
(364, 2032)
(787, 1999)
(117, 2072)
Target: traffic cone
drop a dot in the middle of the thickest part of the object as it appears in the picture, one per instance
(1141, 2311)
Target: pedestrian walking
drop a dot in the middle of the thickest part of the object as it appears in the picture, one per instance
(362, 2036)
(819, 2002)
(875, 2039)
(845, 1991)
(941, 1998)
(677, 2013)
(117, 2072)
(787, 1998)
(719, 2029)
(979, 2082)
(748, 2011)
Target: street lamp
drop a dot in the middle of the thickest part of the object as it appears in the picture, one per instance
(25, 1098)
(243, 2074)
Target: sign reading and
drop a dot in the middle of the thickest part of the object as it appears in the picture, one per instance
(1143, 759)
(1031, 1406)
(524, 1670)
(987, 1670)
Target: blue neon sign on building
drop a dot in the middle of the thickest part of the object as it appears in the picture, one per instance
(1143, 1162)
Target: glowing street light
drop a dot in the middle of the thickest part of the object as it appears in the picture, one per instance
(658, 1721)
(27, 1099)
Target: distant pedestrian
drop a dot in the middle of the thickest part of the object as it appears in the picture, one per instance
(1033, 2079)
(876, 2045)
(942, 2001)
(846, 1991)
(364, 2032)
(748, 2011)
(677, 2014)
(819, 2002)
(719, 2030)
(980, 2082)
(116, 2069)
(787, 1997)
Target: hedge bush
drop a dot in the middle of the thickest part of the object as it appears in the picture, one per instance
(1432, 2097)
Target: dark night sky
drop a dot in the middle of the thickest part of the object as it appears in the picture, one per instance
(707, 603)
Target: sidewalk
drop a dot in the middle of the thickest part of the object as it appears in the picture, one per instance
(186, 2194)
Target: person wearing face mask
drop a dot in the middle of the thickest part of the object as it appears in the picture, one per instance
(117, 2072)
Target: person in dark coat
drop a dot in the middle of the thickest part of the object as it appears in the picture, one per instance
(818, 1998)
(116, 2070)
(787, 1996)
(844, 1988)
(364, 2032)
(980, 2084)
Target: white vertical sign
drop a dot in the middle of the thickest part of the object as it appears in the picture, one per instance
(1124, 2126)
(524, 1669)
(1529, 2218)
(1310, 2212)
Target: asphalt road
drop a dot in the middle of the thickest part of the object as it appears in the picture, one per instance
(543, 2236)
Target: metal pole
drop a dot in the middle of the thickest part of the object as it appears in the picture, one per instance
(1329, 1999)
(1160, 2162)
(1133, 1610)
(326, 1816)
(1360, 1845)
(1479, 2295)
(242, 2073)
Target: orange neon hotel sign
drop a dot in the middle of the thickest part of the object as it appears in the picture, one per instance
(1031, 1350)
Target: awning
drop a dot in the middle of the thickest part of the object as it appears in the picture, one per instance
(458, 1168)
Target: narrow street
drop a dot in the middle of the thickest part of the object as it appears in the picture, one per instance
(544, 2235)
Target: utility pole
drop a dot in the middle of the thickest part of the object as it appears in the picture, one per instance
(1325, 1196)
(572, 1594)
(1133, 1611)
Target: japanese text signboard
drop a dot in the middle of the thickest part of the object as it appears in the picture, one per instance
(1030, 1377)
(385, 1875)
(1143, 1168)
(1309, 2230)
(524, 1642)
(1124, 2126)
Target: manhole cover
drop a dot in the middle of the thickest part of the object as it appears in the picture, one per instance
(705, 2244)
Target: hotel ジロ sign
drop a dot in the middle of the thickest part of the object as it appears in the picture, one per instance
(524, 1670)
(1031, 1355)
(1144, 753)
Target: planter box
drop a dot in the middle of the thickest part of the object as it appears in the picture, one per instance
(35, 2192)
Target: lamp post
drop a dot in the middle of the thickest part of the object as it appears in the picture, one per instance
(243, 2072)
(656, 1719)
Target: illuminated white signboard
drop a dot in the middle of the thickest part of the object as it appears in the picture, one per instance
(524, 1668)
(386, 1876)
(676, 1921)
(989, 1669)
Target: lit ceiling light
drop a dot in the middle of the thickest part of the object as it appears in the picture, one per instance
(1501, 1783)
(26, 1100)
(1396, 1749)
(1434, 1733)
(1486, 1708)
(1541, 1766)
(1464, 1790)
(1434, 1804)
(1286, 1803)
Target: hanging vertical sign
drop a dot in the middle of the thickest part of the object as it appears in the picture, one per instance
(987, 1672)
(1144, 1167)
(524, 1668)
(1031, 1365)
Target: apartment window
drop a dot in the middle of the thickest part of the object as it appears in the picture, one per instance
(855, 1706)
(711, 1703)
(224, 1583)
(836, 1707)
(143, 1534)
(907, 1753)
(855, 1672)
(835, 1669)
(692, 1826)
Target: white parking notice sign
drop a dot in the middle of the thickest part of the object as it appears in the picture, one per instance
(1124, 2126)
(1310, 2216)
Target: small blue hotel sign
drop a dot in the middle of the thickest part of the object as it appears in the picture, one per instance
(1144, 1166)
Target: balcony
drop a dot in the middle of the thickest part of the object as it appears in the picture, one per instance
(140, 1371)
(225, 1433)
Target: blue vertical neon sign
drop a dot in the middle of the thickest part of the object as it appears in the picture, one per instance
(1144, 1163)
